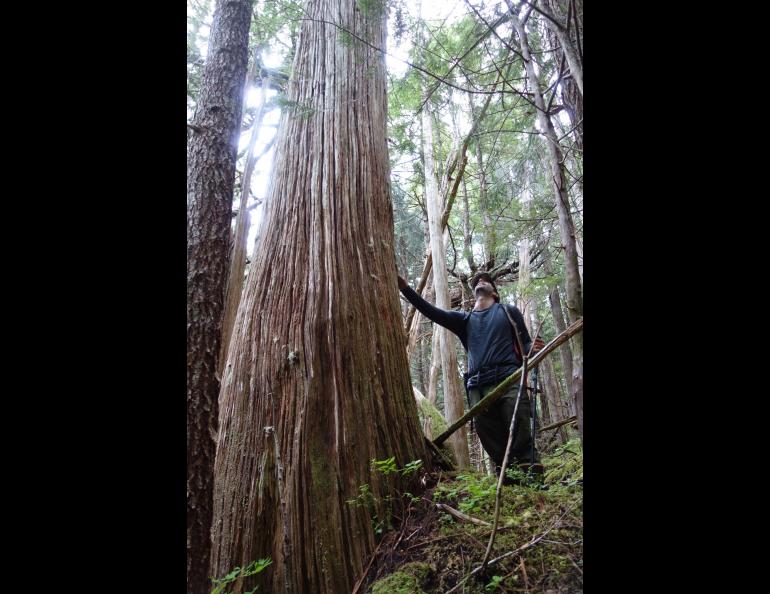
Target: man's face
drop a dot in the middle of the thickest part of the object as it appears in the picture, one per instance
(483, 287)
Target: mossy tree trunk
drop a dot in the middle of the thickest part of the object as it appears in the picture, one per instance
(318, 349)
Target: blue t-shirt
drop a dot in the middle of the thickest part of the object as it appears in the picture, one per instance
(486, 335)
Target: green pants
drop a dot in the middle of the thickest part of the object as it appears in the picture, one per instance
(493, 424)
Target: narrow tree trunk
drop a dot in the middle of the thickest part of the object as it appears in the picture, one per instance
(568, 49)
(565, 352)
(573, 102)
(579, 251)
(420, 354)
(566, 228)
(435, 366)
(467, 237)
(477, 453)
(523, 298)
(414, 317)
(490, 236)
(453, 398)
(532, 319)
(571, 94)
(239, 248)
(550, 398)
(543, 406)
(318, 353)
(553, 396)
(425, 353)
(211, 156)
(453, 173)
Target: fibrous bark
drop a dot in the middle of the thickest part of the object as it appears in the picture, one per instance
(318, 330)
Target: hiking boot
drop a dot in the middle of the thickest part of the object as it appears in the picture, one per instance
(523, 473)
(535, 468)
(526, 474)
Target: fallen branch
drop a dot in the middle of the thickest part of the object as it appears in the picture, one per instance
(461, 516)
(572, 419)
(503, 386)
(453, 535)
(440, 457)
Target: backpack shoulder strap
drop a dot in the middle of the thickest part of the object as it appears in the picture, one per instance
(514, 332)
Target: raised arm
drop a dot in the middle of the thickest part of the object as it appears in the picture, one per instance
(454, 321)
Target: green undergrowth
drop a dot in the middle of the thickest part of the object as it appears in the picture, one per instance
(432, 551)
(565, 465)
(407, 580)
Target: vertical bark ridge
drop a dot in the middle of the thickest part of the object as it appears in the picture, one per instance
(319, 327)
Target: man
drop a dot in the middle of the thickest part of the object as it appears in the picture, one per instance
(487, 336)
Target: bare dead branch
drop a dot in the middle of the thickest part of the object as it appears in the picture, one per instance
(461, 516)
(572, 419)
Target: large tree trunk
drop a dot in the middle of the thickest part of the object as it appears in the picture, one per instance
(211, 158)
(318, 352)
(566, 227)
(453, 396)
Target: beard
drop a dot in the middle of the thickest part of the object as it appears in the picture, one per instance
(481, 291)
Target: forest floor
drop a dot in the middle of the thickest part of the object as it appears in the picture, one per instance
(431, 551)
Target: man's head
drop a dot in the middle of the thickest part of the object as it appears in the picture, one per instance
(482, 284)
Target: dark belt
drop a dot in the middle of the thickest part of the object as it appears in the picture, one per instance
(499, 376)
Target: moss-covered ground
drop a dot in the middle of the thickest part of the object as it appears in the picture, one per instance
(431, 551)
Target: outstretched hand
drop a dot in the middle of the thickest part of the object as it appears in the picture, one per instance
(402, 283)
